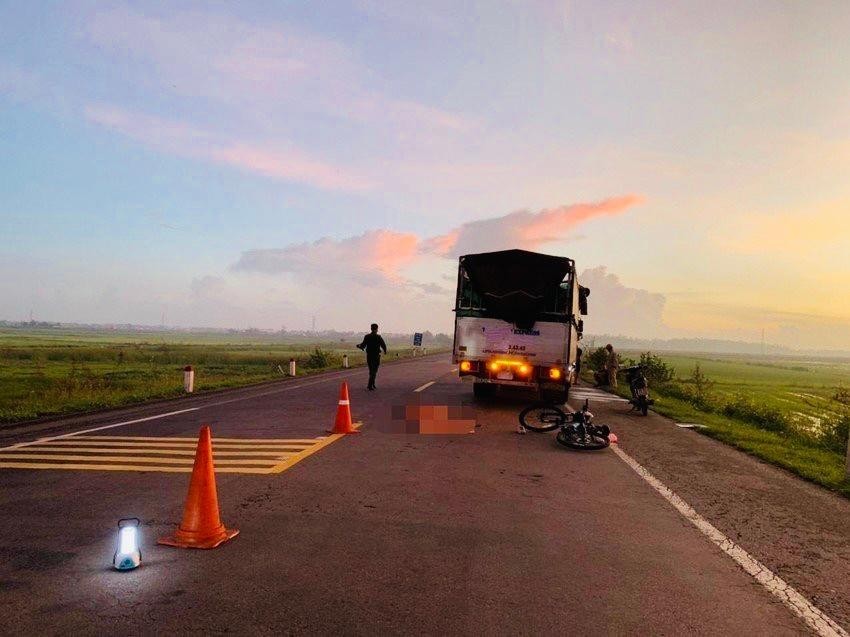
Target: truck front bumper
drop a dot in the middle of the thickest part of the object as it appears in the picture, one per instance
(498, 381)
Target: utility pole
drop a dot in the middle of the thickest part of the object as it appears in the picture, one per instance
(762, 341)
(314, 324)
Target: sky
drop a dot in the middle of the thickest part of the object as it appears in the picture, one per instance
(260, 164)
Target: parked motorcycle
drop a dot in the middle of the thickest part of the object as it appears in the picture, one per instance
(639, 386)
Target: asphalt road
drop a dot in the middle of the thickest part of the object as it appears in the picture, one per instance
(395, 533)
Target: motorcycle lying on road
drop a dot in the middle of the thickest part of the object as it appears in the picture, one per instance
(575, 430)
(639, 386)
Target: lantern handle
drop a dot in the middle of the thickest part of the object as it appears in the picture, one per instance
(121, 524)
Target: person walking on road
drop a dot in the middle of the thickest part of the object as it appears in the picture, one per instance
(612, 365)
(372, 344)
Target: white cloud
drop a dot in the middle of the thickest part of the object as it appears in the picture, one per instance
(620, 310)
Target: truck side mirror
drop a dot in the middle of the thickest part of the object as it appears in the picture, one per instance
(583, 293)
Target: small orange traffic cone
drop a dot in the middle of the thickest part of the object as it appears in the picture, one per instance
(201, 527)
(343, 423)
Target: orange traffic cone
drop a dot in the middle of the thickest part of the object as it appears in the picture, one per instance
(343, 423)
(201, 527)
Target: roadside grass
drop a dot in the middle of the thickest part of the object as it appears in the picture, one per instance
(781, 410)
(799, 456)
(52, 373)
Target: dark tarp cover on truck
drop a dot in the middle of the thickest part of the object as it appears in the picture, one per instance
(514, 284)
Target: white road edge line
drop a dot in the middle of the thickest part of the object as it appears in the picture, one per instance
(86, 431)
(425, 386)
(811, 614)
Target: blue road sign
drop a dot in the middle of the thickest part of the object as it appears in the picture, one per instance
(417, 339)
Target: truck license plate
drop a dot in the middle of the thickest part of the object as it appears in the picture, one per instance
(505, 376)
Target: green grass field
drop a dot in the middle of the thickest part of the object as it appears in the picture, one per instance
(792, 412)
(52, 372)
(803, 388)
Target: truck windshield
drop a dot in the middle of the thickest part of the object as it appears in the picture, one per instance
(553, 306)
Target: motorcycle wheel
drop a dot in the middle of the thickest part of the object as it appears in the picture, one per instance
(644, 406)
(587, 442)
(542, 417)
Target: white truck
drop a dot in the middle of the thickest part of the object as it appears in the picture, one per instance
(517, 322)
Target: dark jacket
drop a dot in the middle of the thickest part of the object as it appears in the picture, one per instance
(372, 344)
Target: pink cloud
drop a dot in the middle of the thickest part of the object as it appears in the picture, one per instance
(379, 256)
(162, 134)
(443, 243)
(290, 166)
(391, 251)
(552, 223)
(186, 140)
(524, 229)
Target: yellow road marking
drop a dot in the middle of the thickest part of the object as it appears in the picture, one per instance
(136, 453)
(186, 461)
(215, 439)
(289, 462)
(271, 454)
(82, 442)
(123, 467)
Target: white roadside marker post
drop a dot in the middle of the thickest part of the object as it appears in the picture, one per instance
(345, 361)
(292, 367)
(188, 379)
